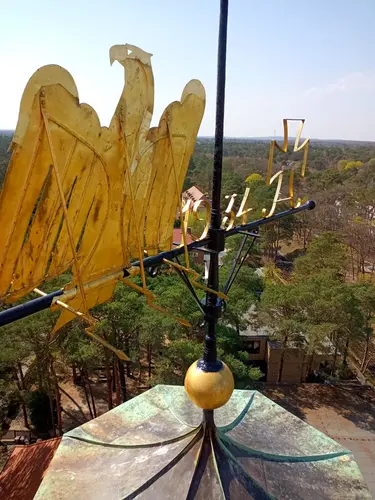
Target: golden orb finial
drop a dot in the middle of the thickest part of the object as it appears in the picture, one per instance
(209, 389)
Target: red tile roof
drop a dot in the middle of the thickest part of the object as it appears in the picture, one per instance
(177, 236)
(24, 471)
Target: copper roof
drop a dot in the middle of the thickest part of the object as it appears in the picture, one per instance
(24, 471)
(155, 447)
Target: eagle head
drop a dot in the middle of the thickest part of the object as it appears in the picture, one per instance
(122, 52)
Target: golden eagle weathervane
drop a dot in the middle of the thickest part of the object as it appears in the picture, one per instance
(92, 199)
(86, 197)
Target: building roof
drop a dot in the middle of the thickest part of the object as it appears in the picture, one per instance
(177, 236)
(24, 471)
(155, 446)
(194, 193)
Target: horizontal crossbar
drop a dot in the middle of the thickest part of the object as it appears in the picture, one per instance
(33, 306)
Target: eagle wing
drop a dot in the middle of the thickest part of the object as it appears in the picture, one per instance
(86, 197)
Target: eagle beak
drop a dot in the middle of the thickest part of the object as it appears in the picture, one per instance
(122, 52)
(118, 53)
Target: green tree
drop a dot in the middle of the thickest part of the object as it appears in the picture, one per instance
(176, 357)
(153, 335)
(327, 254)
(232, 350)
(353, 164)
(179, 354)
(231, 183)
(254, 179)
(41, 415)
(243, 293)
(10, 396)
(316, 303)
(84, 355)
(365, 294)
(29, 342)
(120, 324)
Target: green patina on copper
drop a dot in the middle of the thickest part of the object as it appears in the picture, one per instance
(130, 446)
(236, 421)
(261, 492)
(279, 458)
(155, 446)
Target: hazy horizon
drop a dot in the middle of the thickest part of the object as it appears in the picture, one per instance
(310, 60)
(262, 138)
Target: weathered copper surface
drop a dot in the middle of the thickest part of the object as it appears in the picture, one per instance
(154, 446)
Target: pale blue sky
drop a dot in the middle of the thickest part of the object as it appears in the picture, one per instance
(286, 58)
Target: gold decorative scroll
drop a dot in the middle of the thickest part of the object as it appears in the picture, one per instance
(90, 198)
(229, 215)
(278, 176)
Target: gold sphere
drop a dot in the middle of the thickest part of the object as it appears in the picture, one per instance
(209, 390)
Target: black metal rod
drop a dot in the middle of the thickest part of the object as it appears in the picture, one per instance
(169, 255)
(28, 308)
(209, 361)
(227, 289)
(219, 124)
(36, 305)
(309, 205)
(189, 286)
(235, 262)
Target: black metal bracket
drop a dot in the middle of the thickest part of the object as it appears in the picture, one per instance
(210, 366)
(217, 239)
(152, 271)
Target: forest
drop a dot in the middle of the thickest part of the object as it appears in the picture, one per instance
(328, 292)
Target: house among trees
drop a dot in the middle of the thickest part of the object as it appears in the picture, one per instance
(196, 256)
(194, 194)
(287, 364)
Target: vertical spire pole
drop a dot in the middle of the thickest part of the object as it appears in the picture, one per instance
(216, 233)
(209, 383)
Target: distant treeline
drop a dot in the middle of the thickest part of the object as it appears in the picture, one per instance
(244, 156)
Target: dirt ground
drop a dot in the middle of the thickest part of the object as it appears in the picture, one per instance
(346, 413)
(76, 413)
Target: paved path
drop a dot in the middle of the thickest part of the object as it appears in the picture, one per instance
(346, 414)
(360, 441)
